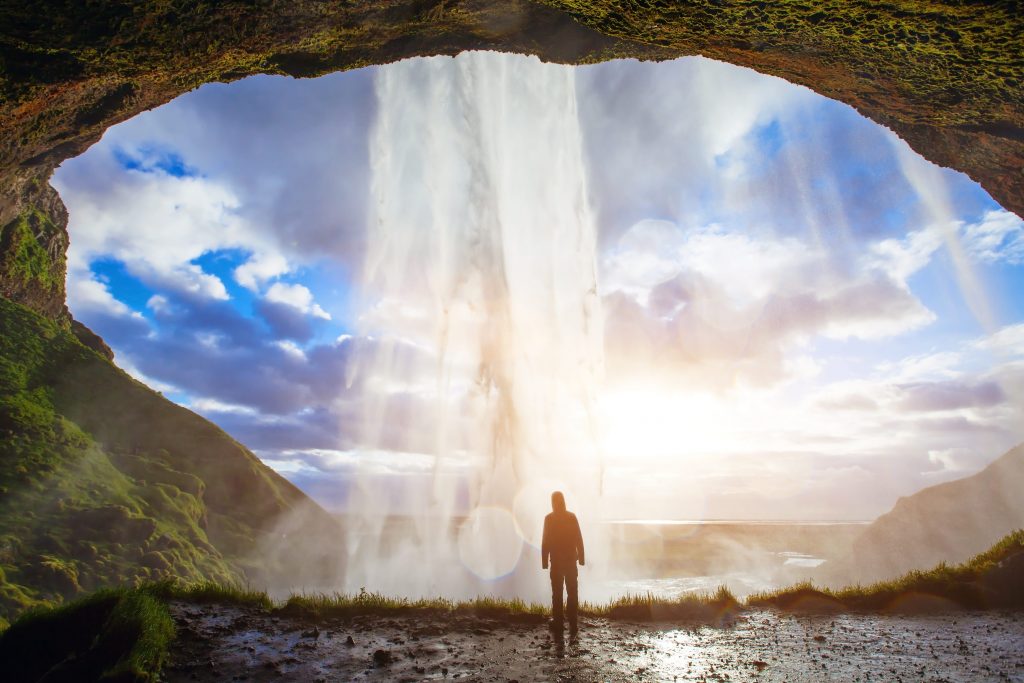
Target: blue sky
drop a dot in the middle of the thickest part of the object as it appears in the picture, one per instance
(767, 258)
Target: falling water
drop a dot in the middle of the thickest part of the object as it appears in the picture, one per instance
(486, 325)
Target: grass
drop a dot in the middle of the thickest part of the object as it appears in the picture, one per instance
(713, 608)
(124, 490)
(364, 603)
(925, 48)
(207, 592)
(124, 634)
(985, 581)
(24, 258)
(112, 635)
(78, 512)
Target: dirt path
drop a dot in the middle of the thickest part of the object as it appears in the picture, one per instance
(218, 643)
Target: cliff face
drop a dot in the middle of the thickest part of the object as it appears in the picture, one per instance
(104, 481)
(947, 75)
(950, 523)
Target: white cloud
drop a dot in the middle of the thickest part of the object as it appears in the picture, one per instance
(261, 269)
(153, 222)
(158, 303)
(210, 405)
(725, 307)
(291, 348)
(90, 295)
(901, 258)
(663, 155)
(941, 364)
(298, 297)
(190, 278)
(1007, 341)
(998, 236)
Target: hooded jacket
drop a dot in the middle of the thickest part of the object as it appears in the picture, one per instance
(562, 542)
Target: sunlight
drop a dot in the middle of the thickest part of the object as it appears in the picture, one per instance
(649, 423)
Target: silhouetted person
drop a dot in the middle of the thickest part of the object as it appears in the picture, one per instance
(562, 545)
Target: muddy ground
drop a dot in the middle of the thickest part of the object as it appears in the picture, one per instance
(220, 643)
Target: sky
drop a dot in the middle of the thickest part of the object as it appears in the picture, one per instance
(803, 319)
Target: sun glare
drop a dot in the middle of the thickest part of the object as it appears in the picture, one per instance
(654, 424)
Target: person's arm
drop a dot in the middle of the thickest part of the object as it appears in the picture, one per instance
(579, 542)
(545, 546)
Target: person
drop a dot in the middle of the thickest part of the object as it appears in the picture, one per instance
(561, 547)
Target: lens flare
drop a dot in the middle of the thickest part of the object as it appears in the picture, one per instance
(489, 544)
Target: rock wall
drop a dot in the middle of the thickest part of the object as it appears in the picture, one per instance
(949, 522)
(946, 75)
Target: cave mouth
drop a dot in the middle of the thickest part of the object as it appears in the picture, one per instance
(795, 306)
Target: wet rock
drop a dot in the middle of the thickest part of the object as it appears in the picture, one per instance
(311, 633)
(381, 658)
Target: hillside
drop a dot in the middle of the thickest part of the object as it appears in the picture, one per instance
(104, 481)
(948, 522)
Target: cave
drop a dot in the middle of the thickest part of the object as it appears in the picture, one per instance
(944, 76)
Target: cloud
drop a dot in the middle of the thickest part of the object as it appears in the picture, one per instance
(1008, 341)
(943, 396)
(272, 392)
(287, 160)
(929, 365)
(260, 269)
(847, 401)
(997, 237)
(298, 297)
(91, 296)
(658, 155)
(901, 258)
(153, 222)
(724, 308)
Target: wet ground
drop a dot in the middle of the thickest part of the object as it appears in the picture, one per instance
(217, 643)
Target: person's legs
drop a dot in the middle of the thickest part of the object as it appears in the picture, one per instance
(557, 577)
(571, 596)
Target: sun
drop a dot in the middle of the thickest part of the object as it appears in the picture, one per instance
(649, 423)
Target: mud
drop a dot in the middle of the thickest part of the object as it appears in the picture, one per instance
(219, 643)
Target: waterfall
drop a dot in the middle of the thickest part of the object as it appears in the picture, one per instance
(486, 326)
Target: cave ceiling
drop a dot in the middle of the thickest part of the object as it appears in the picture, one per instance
(946, 76)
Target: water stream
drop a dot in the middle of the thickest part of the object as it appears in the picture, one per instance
(481, 260)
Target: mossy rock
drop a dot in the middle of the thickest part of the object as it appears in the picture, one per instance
(155, 560)
(96, 510)
(55, 574)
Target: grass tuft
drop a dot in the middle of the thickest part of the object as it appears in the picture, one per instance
(205, 592)
(114, 634)
(993, 579)
(709, 608)
(370, 603)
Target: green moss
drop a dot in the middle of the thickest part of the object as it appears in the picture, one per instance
(979, 583)
(203, 592)
(122, 490)
(120, 635)
(25, 258)
(81, 521)
(957, 54)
